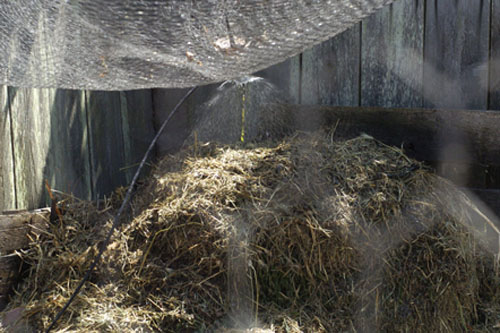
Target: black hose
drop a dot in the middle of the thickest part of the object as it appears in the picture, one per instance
(116, 218)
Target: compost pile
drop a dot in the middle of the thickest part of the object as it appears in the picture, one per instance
(307, 235)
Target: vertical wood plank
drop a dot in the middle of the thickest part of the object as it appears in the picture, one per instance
(392, 55)
(49, 130)
(106, 141)
(67, 164)
(494, 84)
(330, 71)
(456, 54)
(137, 124)
(286, 77)
(7, 189)
(30, 109)
(182, 123)
(164, 100)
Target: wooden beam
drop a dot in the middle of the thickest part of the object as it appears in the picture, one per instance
(456, 136)
(456, 54)
(392, 48)
(7, 181)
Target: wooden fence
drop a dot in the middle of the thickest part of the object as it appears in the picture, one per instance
(412, 54)
(85, 143)
(416, 54)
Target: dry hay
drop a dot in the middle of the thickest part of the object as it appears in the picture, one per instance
(318, 235)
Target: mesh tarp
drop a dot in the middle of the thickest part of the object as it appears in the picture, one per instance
(132, 44)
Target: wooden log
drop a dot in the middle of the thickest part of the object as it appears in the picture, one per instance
(9, 271)
(106, 141)
(14, 230)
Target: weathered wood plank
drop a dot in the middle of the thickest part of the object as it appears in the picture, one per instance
(330, 70)
(30, 110)
(185, 119)
(7, 189)
(392, 46)
(16, 227)
(456, 54)
(137, 125)
(106, 141)
(179, 126)
(421, 131)
(49, 131)
(285, 76)
(494, 84)
(67, 163)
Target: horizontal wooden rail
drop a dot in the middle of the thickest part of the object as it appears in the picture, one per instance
(458, 136)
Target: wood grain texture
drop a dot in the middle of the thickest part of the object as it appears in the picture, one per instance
(456, 54)
(285, 76)
(31, 124)
(137, 125)
(107, 150)
(184, 120)
(15, 229)
(7, 189)
(49, 131)
(494, 84)
(67, 163)
(330, 71)
(392, 46)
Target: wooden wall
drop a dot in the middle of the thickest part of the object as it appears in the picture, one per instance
(85, 143)
(411, 54)
(432, 54)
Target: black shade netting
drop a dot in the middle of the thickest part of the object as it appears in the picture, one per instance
(125, 44)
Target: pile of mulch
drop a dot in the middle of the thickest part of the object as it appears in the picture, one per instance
(311, 234)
